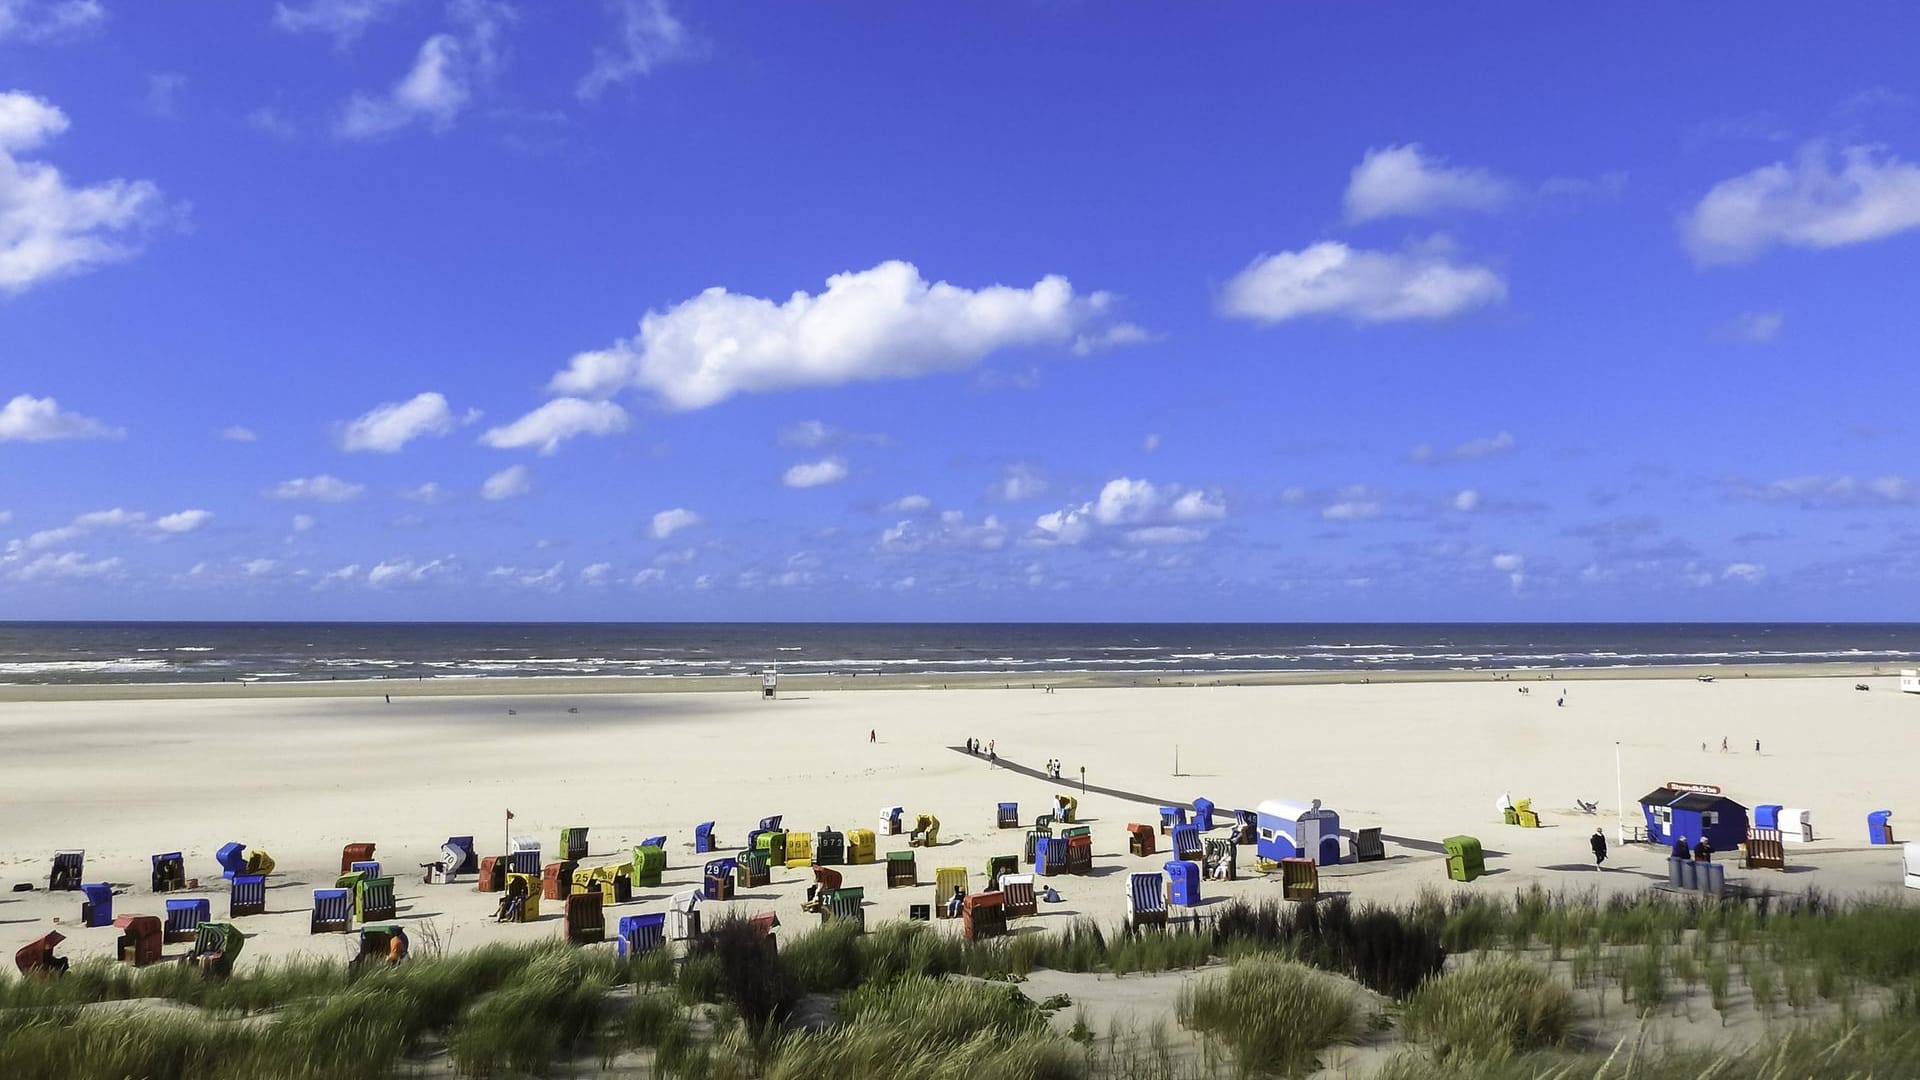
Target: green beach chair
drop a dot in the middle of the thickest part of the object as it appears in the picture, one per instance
(901, 871)
(649, 863)
(1465, 861)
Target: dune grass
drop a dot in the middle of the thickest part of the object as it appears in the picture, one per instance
(1274, 1015)
(1490, 1009)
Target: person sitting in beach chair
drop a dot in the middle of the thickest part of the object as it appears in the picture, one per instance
(511, 901)
(956, 903)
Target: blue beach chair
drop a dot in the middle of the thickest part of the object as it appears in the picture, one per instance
(184, 918)
(641, 934)
(97, 907)
(248, 896)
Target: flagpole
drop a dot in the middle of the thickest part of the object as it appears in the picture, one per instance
(1619, 797)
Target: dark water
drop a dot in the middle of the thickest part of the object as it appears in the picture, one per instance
(195, 652)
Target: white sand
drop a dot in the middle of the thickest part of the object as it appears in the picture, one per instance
(299, 777)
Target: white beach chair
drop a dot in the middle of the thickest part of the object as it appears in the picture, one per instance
(683, 917)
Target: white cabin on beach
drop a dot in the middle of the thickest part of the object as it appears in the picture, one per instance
(1910, 680)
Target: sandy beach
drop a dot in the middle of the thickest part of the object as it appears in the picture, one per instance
(137, 770)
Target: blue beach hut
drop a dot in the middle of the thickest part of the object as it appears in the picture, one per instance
(1203, 813)
(1291, 831)
(1693, 811)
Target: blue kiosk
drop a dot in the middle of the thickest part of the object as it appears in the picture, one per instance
(1676, 810)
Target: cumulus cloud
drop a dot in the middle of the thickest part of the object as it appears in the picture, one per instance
(1805, 203)
(322, 488)
(429, 492)
(392, 425)
(1020, 483)
(884, 323)
(1351, 510)
(174, 524)
(48, 228)
(596, 574)
(508, 483)
(1150, 443)
(258, 567)
(440, 84)
(1514, 566)
(1403, 181)
(1466, 500)
(36, 21)
(668, 522)
(652, 575)
(1471, 450)
(1330, 278)
(557, 421)
(71, 565)
(184, 521)
(1140, 510)
(909, 504)
(948, 530)
(303, 522)
(1743, 571)
(815, 473)
(237, 433)
(649, 35)
(342, 20)
(31, 419)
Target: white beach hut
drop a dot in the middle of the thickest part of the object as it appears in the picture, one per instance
(1910, 680)
(1289, 830)
(769, 684)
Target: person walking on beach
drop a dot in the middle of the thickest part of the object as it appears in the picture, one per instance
(1599, 843)
(993, 759)
(1723, 744)
(873, 736)
(1756, 746)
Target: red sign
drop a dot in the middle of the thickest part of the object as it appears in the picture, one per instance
(1696, 789)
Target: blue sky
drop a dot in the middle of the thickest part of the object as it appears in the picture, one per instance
(655, 310)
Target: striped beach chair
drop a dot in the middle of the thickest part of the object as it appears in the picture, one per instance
(523, 855)
(169, 872)
(649, 863)
(946, 880)
(1016, 891)
(861, 847)
(556, 880)
(703, 841)
(247, 896)
(1146, 900)
(1034, 836)
(771, 823)
(1367, 846)
(1140, 840)
(890, 820)
(845, 905)
(799, 850)
(716, 879)
(1171, 816)
(527, 887)
(469, 857)
(983, 915)
(750, 870)
(641, 934)
(586, 920)
(1007, 816)
(68, 866)
(683, 915)
(1050, 856)
(332, 911)
(373, 900)
(1764, 850)
(493, 874)
(830, 847)
(96, 909)
(353, 853)
(999, 866)
(216, 945)
(1186, 841)
(141, 939)
(185, 916)
(901, 871)
(573, 843)
(366, 868)
(1079, 852)
(1222, 860)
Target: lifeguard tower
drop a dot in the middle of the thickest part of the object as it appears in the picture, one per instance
(769, 685)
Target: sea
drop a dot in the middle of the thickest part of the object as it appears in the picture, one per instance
(174, 652)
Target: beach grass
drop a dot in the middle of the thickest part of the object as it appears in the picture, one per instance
(1274, 1015)
(1490, 1009)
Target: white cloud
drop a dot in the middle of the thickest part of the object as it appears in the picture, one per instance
(650, 35)
(163, 92)
(271, 121)
(322, 488)
(32, 419)
(1401, 181)
(258, 567)
(1352, 510)
(48, 20)
(909, 504)
(429, 492)
(1021, 482)
(392, 425)
(550, 579)
(71, 565)
(949, 530)
(883, 323)
(557, 421)
(184, 521)
(1150, 443)
(303, 522)
(807, 434)
(1756, 327)
(405, 572)
(342, 20)
(815, 473)
(652, 575)
(596, 574)
(1507, 562)
(236, 433)
(1832, 491)
(508, 483)
(48, 229)
(1743, 571)
(1466, 500)
(1471, 450)
(1331, 278)
(434, 90)
(668, 522)
(1805, 204)
(1150, 513)
(339, 576)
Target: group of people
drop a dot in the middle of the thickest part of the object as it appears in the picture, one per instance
(1053, 768)
(974, 746)
(1701, 852)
